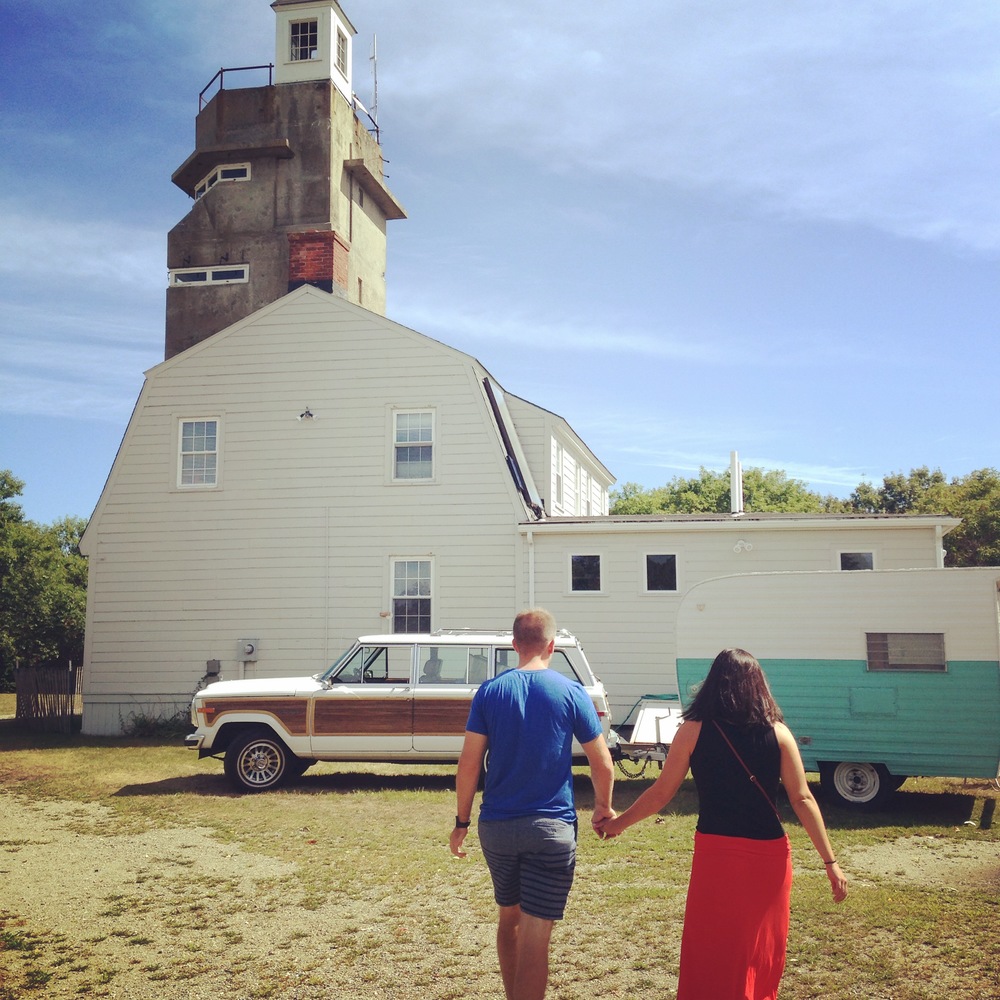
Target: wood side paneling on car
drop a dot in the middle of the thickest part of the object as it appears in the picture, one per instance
(288, 712)
(362, 716)
(440, 716)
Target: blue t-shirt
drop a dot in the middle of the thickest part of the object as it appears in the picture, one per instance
(529, 718)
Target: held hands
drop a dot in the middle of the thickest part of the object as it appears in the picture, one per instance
(604, 823)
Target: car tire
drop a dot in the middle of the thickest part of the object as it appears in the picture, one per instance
(257, 761)
(851, 783)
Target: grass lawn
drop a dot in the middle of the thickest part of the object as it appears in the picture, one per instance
(375, 838)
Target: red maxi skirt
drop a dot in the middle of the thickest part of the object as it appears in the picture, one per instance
(736, 919)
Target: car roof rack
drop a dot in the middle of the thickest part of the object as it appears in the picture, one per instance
(562, 633)
(471, 631)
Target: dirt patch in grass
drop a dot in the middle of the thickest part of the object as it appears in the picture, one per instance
(939, 861)
(124, 915)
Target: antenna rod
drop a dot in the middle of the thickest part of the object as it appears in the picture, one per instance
(374, 61)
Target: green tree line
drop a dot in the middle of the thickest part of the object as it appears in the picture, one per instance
(43, 587)
(975, 498)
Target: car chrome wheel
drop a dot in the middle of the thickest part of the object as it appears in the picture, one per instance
(257, 761)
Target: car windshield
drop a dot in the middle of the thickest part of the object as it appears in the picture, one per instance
(373, 665)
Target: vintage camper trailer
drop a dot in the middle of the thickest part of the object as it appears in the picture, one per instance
(880, 674)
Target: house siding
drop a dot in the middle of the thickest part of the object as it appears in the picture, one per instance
(294, 546)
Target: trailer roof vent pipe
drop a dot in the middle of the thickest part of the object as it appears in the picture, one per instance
(735, 484)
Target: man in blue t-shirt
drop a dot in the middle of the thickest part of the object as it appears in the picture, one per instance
(527, 719)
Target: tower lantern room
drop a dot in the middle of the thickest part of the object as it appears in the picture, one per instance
(313, 41)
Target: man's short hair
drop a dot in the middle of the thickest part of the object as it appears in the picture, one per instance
(534, 629)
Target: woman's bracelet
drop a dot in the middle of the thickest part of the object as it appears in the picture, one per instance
(830, 862)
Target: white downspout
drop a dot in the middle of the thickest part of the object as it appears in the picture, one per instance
(735, 484)
(531, 568)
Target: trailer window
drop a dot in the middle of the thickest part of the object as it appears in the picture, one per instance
(906, 651)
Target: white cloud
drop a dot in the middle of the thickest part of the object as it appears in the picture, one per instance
(882, 115)
(455, 325)
(55, 394)
(35, 246)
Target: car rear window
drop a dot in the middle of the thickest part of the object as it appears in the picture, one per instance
(560, 663)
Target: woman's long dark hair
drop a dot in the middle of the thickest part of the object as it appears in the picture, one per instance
(735, 691)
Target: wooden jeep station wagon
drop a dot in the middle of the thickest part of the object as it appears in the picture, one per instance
(395, 698)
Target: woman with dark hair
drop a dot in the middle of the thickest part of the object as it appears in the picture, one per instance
(737, 747)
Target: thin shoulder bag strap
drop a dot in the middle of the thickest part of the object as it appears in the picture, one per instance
(750, 773)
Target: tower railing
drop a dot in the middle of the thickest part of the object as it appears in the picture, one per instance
(220, 77)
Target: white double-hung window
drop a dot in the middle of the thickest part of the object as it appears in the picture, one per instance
(198, 453)
(413, 445)
(411, 595)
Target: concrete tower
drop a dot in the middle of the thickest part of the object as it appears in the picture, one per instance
(288, 185)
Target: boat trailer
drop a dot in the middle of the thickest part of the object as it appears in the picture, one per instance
(657, 720)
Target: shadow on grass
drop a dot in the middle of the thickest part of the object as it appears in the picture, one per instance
(903, 809)
(326, 783)
(15, 735)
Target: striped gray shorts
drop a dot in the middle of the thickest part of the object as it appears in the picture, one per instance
(531, 860)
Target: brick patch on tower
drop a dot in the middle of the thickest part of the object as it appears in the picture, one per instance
(317, 258)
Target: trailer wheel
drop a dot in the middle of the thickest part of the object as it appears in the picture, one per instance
(850, 783)
(256, 761)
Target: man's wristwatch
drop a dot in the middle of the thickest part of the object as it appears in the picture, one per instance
(459, 825)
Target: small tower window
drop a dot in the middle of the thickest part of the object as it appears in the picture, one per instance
(235, 172)
(341, 52)
(235, 275)
(305, 40)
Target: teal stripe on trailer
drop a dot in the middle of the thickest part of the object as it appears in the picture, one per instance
(915, 722)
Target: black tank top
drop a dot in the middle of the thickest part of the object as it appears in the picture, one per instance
(729, 803)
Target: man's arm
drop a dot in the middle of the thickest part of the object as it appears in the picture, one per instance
(602, 776)
(470, 766)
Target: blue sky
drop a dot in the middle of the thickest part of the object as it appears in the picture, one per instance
(688, 227)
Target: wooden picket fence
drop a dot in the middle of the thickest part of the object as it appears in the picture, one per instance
(48, 697)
